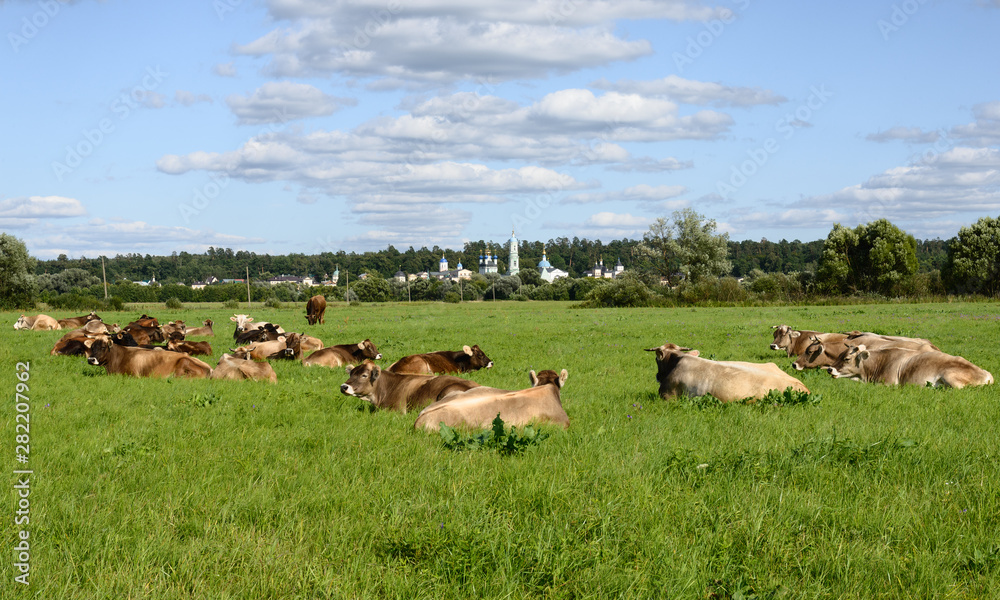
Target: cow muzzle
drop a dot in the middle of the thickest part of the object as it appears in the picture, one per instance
(834, 372)
(91, 360)
(346, 390)
(775, 347)
(378, 356)
(489, 365)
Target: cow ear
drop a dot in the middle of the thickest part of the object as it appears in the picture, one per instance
(794, 334)
(348, 368)
(376, 370)
(233, 319)
(88, 342)
(361, 345)
(467, 350)
(864, 355)
(563, 376)
(533, 378)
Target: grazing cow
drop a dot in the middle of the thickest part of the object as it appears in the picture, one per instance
(205, 330)
(315, 309)
(173, 327)
(682, 371)
(402, 392)
(230, 367)
(478, 407)
(261, 350)
(77, 322)
(795, 341)
(897, 366)
(468, 359)
(139, 362)
(344, 354)
(36, 323)
(177, 343)
(824, 353)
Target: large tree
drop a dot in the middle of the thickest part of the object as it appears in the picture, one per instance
(687, 244)
(873, 257)
(973, 263)
(17, 282)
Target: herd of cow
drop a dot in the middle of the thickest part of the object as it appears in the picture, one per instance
(424, 381)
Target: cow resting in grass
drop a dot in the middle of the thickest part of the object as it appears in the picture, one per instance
(681, 371)
(396, 391)
(205, 330)
(897, 366)
(478, 407)
(230, 367)
(77, 322)
(36, 323)
(825, 353)
(343, 354)
(139, 362)
(795, 341)
(468, 359)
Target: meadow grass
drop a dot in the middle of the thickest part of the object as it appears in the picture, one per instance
(216, 489)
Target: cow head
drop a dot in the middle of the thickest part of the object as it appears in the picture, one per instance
(243, 352)
(548, 377)
(668, 350)
(368, 350)
(850, 364)
(783, 336)
(477, 358)
(22, 323)
(361, 380)
(241, 322)
(812, 356)
(124, 338)
(93, 316)
(98, 350)
(207, 323)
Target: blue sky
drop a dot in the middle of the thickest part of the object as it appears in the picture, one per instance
(305, 126)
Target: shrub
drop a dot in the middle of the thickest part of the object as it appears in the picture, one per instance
(174, 303)
(114, 303)
(272, 302)
(452, 297)
(626, 291)
(231, 304)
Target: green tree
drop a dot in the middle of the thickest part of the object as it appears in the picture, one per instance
(687, 244)
(973, 263)
(873, 257)
(372, 289)
(17, 283)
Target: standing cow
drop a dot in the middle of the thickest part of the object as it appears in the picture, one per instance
(315, 309)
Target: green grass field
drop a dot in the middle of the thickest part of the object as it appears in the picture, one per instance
(205, 489)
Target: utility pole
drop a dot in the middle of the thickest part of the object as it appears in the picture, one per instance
(248, 287)
(105, 275)
(347, 292)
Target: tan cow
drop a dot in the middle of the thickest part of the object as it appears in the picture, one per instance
(468, 359)
(204, 331)
(478, 407)
(897, 366)
(795, 341)
(140, 362)
(343, 354)
(396, 391)
(681, 371)
(173, 327)
(77, 322)
(820, 354)
(36, 323)
(230, 367)
(180, 345)
(315, 309)
(261, 350)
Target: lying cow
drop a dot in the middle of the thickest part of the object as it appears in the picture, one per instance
(173, 327)
(468, 359)
(177, 344)
(681, 371)
(396, 391)
(145, 335)
(230, 367)
(204, 331)
(795, 341)
(896, 366)
(145, 321)
(36, 323)
(72, 342)
(245, 323)
(139, 362)
(315, 309)
(478, 407)
(262, 350)
(820, 354)
(343, 354)
(77, 322)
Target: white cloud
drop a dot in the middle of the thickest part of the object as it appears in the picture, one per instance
(913, 135)
(985, 131)
(642, 193)
(188, 98)
(225, 69)
(40, 207)
(689, 91)
(282, 101)
(615, 220)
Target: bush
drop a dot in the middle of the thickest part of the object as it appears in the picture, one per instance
(627, 291)
(174, 303)
(272, 302)
(231, 304)
(73, 301)
(452, 297)
(114, 303)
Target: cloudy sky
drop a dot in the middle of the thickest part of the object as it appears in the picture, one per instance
(281, 126)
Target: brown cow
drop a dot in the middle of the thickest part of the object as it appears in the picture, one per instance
(77, 322)
(315, 309)
(139, 362)
(795, 341)
(682, 371)
(478, 407)
(819, 353)
(145, 321)
(205, 330)
(469, 359)
(36, 323)
(145, 335)
(897, 366)
(261, 350)
(173, 327)
(396, 391)
(180, 345)
(230, 367)
(343, 354)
